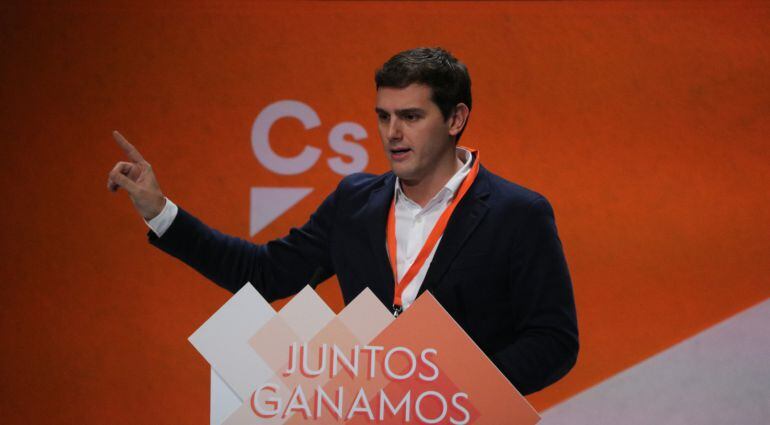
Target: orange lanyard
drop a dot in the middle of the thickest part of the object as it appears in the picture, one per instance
(433, 237)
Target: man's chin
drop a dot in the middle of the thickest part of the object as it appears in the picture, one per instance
(401, 172)
(407, 179)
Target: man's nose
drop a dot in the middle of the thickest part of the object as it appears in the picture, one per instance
(394, 129)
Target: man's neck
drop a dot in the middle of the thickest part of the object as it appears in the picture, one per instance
(424, 190)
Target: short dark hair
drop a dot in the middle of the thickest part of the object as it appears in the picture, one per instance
(435, 67)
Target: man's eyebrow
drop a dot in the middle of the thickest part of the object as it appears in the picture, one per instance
(401, 111)
(406, 111)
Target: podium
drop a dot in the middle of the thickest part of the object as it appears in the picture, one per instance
(304, 364)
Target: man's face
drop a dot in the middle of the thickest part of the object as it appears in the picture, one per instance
(414, 134)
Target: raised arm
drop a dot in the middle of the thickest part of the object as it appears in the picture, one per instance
(277, 269)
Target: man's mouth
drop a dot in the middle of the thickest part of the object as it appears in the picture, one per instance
(399, 153)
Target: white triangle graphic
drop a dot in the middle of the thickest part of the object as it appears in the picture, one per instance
(719, 376)
(268, 203)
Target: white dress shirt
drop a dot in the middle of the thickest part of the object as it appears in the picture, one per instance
(413, 224)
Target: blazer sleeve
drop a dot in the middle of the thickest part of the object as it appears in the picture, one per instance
(277, 269)
(544, 343)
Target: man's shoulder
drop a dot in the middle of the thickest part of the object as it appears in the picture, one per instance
(363, 183)
(357, 188)
(507, 194)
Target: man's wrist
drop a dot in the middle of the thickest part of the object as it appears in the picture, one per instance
(156, 210)
(161, 222)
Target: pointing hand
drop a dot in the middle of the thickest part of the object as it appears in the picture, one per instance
(136, 177)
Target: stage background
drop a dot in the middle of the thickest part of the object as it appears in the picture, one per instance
(646, 126)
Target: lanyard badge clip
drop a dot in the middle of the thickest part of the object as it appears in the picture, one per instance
(397, 309)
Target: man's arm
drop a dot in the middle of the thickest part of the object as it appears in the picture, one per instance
(277, 269)
(545, 343)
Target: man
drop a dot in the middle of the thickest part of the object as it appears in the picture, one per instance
(486, 248)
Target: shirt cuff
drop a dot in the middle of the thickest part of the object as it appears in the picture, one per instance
(161, 222)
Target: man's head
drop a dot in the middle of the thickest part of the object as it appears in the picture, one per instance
(423, 103)
(434, 67)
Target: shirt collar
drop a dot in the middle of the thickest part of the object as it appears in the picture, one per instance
(450, 187)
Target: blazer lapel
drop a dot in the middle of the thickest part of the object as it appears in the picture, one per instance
(375, 218)
(462, 223)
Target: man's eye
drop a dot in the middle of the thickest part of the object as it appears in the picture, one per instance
(411, 117)
(383, 117)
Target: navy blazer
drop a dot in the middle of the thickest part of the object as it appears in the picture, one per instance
(499, 269)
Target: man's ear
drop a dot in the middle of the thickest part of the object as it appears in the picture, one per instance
(458, 119)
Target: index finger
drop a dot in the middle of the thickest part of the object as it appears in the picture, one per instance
(127, 147)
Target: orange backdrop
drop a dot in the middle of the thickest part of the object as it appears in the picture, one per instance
(645, 124)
